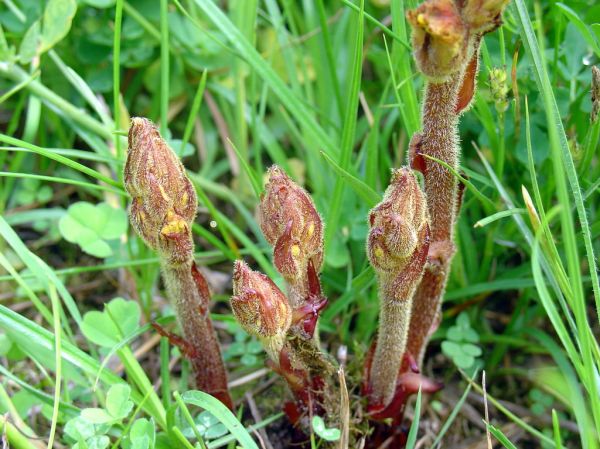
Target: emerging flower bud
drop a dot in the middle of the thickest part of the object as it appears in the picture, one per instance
(397, 247)
(399, 230)
(260, 307)
(439, 38)
(291, 223)
(164, 200)
(483, 16)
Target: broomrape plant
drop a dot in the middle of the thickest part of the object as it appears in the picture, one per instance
(410, 242)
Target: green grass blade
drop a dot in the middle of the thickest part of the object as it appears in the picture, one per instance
(228, 439)
(164, 67)
(561, 152)
(533, 431)
(285, 95)
(402, 58)
(254, 181)
(117, 74)
(196, 103)
(402, 41)
(58, 158)
(564, 169)
(499, 435)
(39, 305)
(581, 26)
(43, 272)
(556, 430)
(223, 414)
(576, 400)
(497, 216)
(452, 416)
(370, 196)
(349, 128)
(87, 185)
(411, 439)
(57, 363)
(487, 203)
(45, 94)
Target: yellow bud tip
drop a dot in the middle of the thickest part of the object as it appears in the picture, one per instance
(311, 230)
(295, 250)
(175, 226)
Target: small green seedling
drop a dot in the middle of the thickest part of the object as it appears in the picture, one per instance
(92, 226)
(30, 191)
(460, 344)
(245, 347)
(328, 434)
(540, 402)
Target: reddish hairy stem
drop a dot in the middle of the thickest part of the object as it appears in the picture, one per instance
(189, 295)
(438, 139)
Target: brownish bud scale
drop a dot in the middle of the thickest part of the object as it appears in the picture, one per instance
(595, 94)
(483, 16)
(439, 38)
(260, 307)
(164, 200)
(291, 223)
(398, 227)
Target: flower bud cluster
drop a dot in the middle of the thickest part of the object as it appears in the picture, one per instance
(444, 33)
(164, 200)
(399, 235)
(499, 88)
(286, 325)
(291, 223)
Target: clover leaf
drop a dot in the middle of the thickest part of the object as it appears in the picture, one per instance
(208, 426)
(117, 401)
(245, 347)
(460, 343)
(328, 434)
(541, 401)
(118, 406)
(119, 319)
(142, 435)
(85, 434)
(90, 226)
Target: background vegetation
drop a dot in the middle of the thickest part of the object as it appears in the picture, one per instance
(237, 86)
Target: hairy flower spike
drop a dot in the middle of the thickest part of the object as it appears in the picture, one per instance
(162, 211)
(291, 223)
(164, 200)
(397, 247)
(260, 307)
(439, 38)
